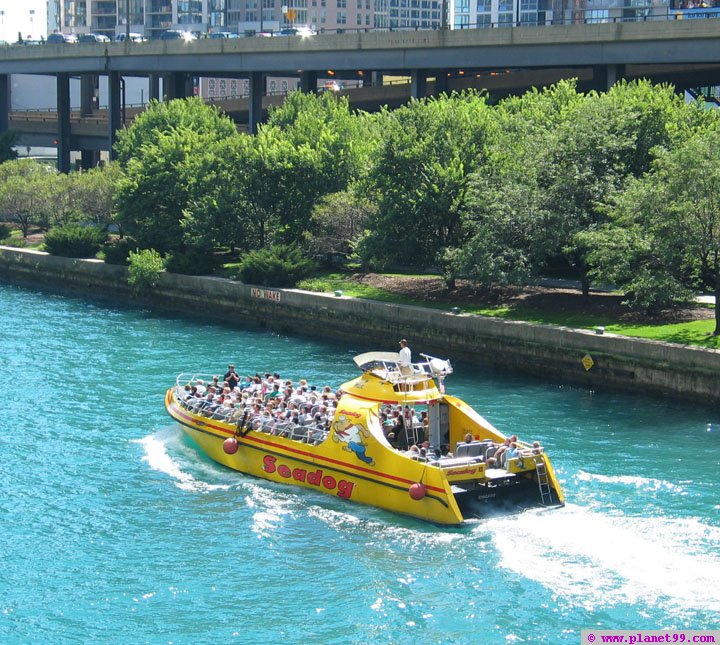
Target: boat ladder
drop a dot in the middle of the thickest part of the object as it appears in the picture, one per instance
(543, 481)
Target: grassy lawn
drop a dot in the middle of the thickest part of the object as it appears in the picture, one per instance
(16, 239)
(332, 282)
(694, 332)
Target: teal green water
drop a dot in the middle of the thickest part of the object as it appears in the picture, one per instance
(114, 529)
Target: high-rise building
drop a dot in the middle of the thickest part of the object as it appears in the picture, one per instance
(150, 17)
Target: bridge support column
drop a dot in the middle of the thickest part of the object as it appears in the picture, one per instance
(605, 76)
(441, 82)
(89, 89)
(257, 90)
(377, 78)
(4, 102)
(89, 159)
(63, 117)
(154, 87)
(418, 83)
(175, 86)
(308, 82)
(114, 109)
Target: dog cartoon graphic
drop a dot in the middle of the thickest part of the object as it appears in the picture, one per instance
(353, 435)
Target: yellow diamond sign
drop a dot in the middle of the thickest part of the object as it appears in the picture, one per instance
(587, 362)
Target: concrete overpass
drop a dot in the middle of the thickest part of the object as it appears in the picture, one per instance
(685, 52)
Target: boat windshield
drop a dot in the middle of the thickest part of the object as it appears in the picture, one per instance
(388, 366)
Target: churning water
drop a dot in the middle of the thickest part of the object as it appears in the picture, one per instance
(115, 529)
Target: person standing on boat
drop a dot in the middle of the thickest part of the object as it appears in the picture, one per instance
(231, 377)
(405, 353)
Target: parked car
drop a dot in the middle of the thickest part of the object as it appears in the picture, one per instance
(176, 34)
(93, 38)
(303, 32)
(61, 39)
(133, 38)
(223, 34)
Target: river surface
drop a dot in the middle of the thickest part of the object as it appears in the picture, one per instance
(114, 529)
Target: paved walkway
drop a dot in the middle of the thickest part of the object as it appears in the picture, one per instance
(560, 283)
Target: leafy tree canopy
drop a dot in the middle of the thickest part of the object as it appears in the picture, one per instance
(419, 177)
(663, 243)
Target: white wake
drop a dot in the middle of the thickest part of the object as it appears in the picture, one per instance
(595, 559)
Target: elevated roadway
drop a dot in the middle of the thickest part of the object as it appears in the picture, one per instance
(684, 52)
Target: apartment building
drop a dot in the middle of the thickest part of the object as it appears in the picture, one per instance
(150, 17)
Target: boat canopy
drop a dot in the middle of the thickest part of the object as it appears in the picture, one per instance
(388, 380)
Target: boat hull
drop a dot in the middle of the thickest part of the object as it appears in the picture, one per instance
(329, 468)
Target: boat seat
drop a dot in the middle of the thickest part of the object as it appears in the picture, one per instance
(490, 452)
(455, 462)
(473, 449)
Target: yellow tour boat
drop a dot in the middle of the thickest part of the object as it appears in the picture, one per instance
(442, 470)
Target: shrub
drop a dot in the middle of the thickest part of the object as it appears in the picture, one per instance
(278, 266)
(16, 242)
(74, 241)
(145, 269)
(119, 250)
(5, 231)
(193, 261)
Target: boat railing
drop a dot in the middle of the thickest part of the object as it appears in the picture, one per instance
(187, 378)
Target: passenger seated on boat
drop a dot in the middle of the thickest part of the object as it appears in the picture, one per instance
(304, 417)
(510, 453)
(210, 406)
(273, 393)
(413, 451)
(499, 454)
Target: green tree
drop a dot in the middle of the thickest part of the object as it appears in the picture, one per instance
(158, 157)
(338, 221)
(510, 230)
(663, 243)
(604, 139)
(25, 194)
(93, 192)
(419, 177)
(261, 190)
(190, 114)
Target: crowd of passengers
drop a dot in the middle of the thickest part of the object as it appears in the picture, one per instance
(267, 403)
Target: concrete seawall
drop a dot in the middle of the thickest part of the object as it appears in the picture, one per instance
(578, 356)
